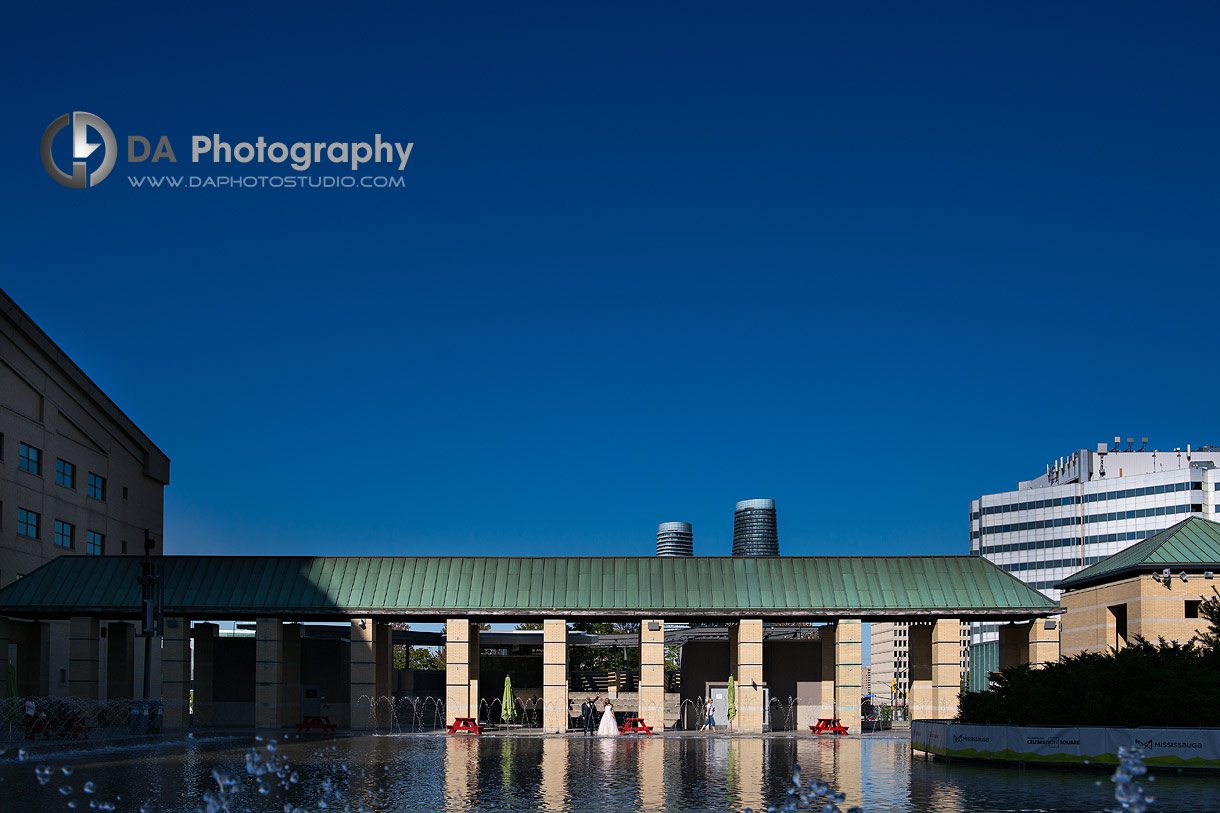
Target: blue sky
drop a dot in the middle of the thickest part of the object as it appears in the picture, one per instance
(869, 261)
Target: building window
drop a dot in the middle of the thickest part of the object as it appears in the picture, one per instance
(65, 473)
(1192, 609)
(30, 459)
(95, 543)
(97, 486)
(27, 523)
(63, 533)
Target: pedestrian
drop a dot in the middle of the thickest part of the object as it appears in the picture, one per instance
(711, 716)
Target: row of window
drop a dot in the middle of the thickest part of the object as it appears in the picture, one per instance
(1039, 544)
(29, 525)
(29, 459)
(1033, 505)
(1075, 561)
(1112, 516)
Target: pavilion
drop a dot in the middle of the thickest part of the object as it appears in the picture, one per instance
(69, 616)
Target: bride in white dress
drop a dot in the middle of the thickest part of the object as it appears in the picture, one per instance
(609, 726)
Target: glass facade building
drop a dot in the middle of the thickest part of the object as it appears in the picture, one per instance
(675, 539)
(755, 532)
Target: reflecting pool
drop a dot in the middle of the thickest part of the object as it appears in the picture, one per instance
(435, 772)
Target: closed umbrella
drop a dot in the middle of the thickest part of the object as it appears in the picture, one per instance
(508, 706)
(732, 701)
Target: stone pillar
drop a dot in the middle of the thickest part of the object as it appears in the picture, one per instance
(1043, 643)
(56, 660)
(1013, 645)
(652, 672)
(204, 677)
(384, 646)
(946, 667)
(3, 648)
(554, 675)
(176, 672)
(289, 695)
(826, 706)
(460, 651)
(363, 695)
(919, 650)
(749, 676)
(849, 674)
(83, 657)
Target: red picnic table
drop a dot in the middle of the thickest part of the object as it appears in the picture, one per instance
(827, 725)
(464, 724)
(634, 725)
(319, 722)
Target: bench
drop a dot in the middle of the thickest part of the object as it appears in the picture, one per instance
(317, 722)
(464, 724)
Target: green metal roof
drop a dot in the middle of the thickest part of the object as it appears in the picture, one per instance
(1193, 543)
(320, 588)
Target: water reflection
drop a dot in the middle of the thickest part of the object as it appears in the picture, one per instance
(433, 772)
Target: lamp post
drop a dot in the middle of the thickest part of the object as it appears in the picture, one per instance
(150, 607)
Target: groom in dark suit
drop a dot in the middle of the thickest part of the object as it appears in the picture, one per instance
(586, 714)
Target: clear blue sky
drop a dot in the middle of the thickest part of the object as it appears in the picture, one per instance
(869, 261)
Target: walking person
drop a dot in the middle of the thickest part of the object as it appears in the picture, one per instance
(711, 716)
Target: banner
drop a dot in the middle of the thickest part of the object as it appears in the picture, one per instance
(1179, 747)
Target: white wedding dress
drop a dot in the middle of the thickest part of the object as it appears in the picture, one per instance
(608, 727)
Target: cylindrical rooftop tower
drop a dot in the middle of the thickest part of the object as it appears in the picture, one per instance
(754, 530)
(675, 539)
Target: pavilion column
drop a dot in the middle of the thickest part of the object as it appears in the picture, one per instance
(946, 667)
(461, 669)
(83, 657)
(826, 705)
(176, 672)
(652, 672)
(554, 675)
(3, 647)
(57, 646)
(848, 673)
(748, 674)
(204, 677)
(384, 651)
(363, 693)
(919, 651)
(1013, 645)
(268, 671)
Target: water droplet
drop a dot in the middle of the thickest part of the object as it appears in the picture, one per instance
(90, 787)
(66, 790)
(67, 770)
(71, 804)
(21, 755)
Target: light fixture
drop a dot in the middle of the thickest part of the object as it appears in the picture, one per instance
(1156, 577)
(1049, 624)
(654, 626)
(360, 621)
(1207, 574)
(1182, 575)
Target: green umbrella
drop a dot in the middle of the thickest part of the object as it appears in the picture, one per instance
(732, 709)
(508, 707)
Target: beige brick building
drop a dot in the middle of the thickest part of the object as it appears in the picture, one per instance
(77, 476)
(1152, 589)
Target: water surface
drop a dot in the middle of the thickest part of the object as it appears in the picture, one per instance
(508, 773)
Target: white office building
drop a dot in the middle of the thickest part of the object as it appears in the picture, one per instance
(1087, 506)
